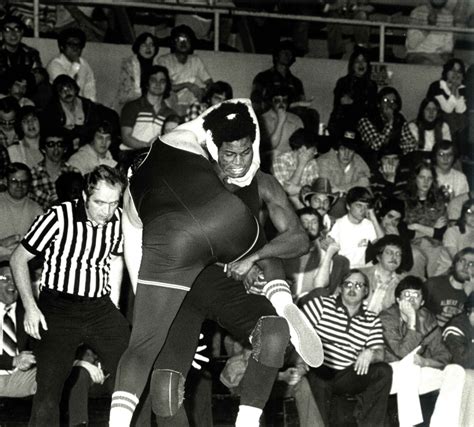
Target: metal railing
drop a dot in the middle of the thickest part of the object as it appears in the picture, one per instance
(218, 8)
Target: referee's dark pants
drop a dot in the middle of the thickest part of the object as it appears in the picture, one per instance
(71, 321)
(371, 390)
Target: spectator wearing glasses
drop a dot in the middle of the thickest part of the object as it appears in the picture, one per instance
(13, 52)
(386, 126)
(17, 211)
(54, 146)
(352, 340)
(189, 76)
(278, 124)
(71, 43)
(415, 350)
(450, 181)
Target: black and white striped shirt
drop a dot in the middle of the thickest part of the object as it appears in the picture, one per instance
(343, 337)
(76, 252)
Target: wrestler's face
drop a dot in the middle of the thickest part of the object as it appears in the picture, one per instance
(102, 203)
(235, 157)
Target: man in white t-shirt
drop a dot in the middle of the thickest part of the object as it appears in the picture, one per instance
(354, 231)
(450, 180)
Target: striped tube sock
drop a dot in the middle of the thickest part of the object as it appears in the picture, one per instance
(248, 416)
(302, 335)
(122, 408)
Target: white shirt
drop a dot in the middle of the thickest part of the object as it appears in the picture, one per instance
(454, 180)
(353, 239)
(80, 71)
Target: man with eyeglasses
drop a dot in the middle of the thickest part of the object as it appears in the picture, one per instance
(414, 348)
(54, 146)
(279, 124)
(17, 211)
(189, 76)
(352, 340)
(451, 181)
(446, 295)
(14, 53)
(71, 43)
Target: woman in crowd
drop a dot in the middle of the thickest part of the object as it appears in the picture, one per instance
(425, 215)
(450, 93)
(145, 48)
(461, 235)
(429, 127)
(27, 128)
(355, 94)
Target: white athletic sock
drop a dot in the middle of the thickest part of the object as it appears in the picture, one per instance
(122, 407)
(248, 416)
(279, 294)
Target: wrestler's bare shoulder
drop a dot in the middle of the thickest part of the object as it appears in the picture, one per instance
(268, 187)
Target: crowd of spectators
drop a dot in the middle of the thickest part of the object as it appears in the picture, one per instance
(384, 199)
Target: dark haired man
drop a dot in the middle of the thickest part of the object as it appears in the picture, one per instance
(451, 181)
(447, 294)
(96, 152)
(357, 228)
(419, 359)
(222, 201)
(54, 146)
(189, 76)
(17, 210)
(8, 111)
(71, 42)
(80, 284)
(77, 115)
(142, 119)
(14, 53)
(353, 352)
(217, 92)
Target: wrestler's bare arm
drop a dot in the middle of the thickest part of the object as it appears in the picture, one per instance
(292, 241)
(132, 228)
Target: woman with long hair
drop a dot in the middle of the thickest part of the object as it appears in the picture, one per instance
(429, 127)
(135, 67)
(425, 215)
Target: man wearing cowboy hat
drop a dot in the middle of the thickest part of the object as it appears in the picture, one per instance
(320, 197)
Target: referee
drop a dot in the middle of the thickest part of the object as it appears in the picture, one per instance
(81, 242)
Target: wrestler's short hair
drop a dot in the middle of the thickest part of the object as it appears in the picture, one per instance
(230, 121)
(105, 173)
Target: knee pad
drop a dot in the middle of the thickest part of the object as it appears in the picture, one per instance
(166, 391)
(269, 340)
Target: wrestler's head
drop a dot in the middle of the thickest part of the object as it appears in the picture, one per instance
(233, 132)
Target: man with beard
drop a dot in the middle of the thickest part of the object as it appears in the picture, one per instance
(446, 295)
(207, 213)
(320, 271)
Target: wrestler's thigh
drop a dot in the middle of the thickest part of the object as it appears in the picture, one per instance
(226, 301)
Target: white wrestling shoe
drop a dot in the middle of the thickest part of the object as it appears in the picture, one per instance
(302, 334)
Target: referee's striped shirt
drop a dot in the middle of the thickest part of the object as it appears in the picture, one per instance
(76, 252)
(343, 337)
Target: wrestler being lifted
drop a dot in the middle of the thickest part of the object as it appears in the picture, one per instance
(181, 215)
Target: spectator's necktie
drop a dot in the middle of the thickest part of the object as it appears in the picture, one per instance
(9, 335)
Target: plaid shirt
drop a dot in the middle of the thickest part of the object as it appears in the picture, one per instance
(284, 167)
(4, 141)
(195, 110)
(43, 190)
(375, 139)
